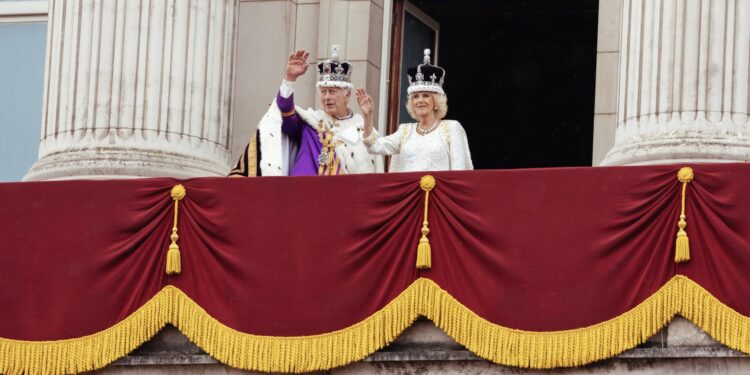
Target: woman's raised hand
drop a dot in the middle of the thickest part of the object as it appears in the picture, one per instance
(297, 65)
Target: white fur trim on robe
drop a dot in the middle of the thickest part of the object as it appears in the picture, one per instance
(278, 152)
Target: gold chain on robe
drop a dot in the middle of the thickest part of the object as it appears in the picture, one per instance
(328, 162)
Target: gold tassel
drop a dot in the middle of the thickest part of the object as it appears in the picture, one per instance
(682, 247)
(424, 256)
(174, 266)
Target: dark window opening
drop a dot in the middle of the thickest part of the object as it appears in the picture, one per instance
(520, 77)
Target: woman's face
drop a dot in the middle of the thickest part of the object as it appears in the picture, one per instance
(423, 103)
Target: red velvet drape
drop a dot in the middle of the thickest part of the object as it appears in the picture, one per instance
(534, 250)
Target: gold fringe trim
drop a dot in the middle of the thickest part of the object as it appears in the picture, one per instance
(90, 352)
(720, 321)
(544, 350)
(228, 346)
(424, 297)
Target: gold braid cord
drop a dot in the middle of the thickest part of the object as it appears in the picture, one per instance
(682, 245)
(424, 297)
(424, 252)
(174, 266)
(252, 156)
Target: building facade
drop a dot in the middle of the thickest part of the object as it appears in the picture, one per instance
(175, 88)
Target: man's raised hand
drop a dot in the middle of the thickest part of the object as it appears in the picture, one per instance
(297, 65)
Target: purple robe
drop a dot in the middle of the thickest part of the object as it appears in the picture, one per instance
(302, 133)
(306, 147)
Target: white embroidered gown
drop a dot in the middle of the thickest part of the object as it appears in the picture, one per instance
(445, 148)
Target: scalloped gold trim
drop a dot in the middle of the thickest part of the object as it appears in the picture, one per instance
(423, 297)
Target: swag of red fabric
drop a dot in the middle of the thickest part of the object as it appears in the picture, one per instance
(534, 250)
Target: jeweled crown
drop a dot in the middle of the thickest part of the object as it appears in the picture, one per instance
(426, 77)
(333, 72)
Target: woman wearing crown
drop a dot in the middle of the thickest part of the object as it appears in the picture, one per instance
(430, 144)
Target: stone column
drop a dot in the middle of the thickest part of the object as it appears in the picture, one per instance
(683, 82)
(137, 88)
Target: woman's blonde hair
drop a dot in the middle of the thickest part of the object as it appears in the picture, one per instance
(441, 106)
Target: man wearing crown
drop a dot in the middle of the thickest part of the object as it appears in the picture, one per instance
(291, 141)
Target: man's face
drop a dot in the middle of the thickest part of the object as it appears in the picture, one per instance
(334, 101)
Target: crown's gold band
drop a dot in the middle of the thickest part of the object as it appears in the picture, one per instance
(287, 114)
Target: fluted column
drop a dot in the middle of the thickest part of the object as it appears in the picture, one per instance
(683, 82)
(137, 88)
